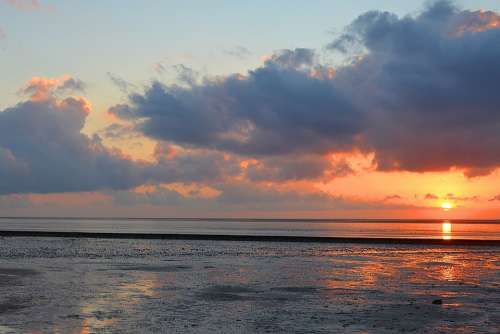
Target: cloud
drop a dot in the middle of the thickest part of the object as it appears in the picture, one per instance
(118, 131)
(456, 198)
(476, 21)
(302, 167)
(495, 198)
(159, 196)
(241, 196)
(420, 95)
(3, 35)
(293, 59)
(251, 196)
(186, 75)
(192, 166)
(39, 88)
(239, 52)
(392, 197)
(275, 109)
(42, 150)
(451, 197)
(124, 86)
(431, 196)
(428, 94)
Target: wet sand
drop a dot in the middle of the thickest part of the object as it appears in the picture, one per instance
(91, 285)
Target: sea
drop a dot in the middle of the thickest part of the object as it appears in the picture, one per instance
(345, 228)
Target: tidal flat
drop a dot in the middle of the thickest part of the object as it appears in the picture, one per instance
(87, 285)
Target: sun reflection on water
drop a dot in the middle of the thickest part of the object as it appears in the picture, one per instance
(446, 230)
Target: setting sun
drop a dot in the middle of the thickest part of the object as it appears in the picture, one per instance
(446, 206)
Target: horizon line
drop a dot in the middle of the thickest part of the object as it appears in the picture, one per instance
(253, 219)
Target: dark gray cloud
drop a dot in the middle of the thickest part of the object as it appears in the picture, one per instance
(293, 59)
(275, 109)
(42, 150)
(422, 96)
(186, 75)
(428, 86)
(124, 86)
(195, 166)
(72, 85)
(302, 167)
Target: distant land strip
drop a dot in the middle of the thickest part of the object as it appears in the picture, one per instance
(263, 238)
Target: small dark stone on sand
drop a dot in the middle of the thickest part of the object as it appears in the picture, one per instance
(437, 301)
(73, 316)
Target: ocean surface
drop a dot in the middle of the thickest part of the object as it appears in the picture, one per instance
(414, 229)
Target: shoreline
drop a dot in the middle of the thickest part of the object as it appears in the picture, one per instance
(257, 238)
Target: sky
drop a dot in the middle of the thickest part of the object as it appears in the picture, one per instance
(321, 109)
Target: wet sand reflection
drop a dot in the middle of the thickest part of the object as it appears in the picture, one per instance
(136, 286)
(125, 296)
(421, 271)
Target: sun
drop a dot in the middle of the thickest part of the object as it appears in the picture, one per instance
(446, 206)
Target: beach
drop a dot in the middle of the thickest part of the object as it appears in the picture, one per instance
(95, 285)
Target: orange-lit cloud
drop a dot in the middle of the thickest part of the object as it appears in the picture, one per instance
(193, 190)
(476, 21)
(40, 88)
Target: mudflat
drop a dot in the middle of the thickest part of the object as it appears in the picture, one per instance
(90, 285)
